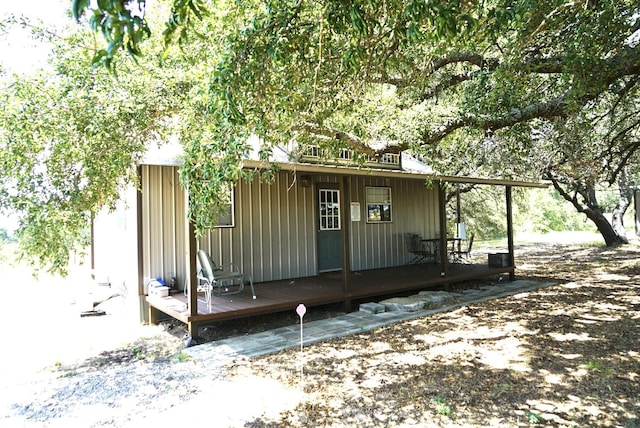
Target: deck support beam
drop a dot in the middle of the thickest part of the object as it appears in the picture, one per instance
(192, 327)
(192, 302)
(153, 315)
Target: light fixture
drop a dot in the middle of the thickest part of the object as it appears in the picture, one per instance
(305, 180)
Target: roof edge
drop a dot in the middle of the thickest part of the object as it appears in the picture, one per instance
(345, 170)
(378, 172)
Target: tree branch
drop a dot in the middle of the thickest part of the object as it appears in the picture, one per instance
(449, 83)
(625, 63)
(470, 57)
(352, 141)
(548, 110)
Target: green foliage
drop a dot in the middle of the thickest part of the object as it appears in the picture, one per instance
(182, 357)
(534, 211)
(598, 366)
(547, 211)
(442, 408)
(70, 140)
(534, 418)
(69, 374)
(124, 27)
(137, 353)
(608, 198)
(482, 210)
(6, 237)
(512, 89)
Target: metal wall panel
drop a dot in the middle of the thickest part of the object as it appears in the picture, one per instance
(414, 209)
(276, 225)
(274, 234)
(163, 234)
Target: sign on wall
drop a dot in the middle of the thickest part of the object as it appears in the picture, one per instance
(355, 211)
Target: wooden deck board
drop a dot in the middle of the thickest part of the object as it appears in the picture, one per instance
(318, 290)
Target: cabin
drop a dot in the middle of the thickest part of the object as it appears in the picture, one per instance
(320, 233)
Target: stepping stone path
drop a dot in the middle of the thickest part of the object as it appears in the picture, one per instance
(370, 316)
(416, 302)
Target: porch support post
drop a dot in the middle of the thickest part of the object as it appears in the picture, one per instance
(508, 194)
(346, 247)
(192, 301)
(144, 312)
(442, 209)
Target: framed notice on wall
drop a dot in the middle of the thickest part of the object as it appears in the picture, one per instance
(355, 211)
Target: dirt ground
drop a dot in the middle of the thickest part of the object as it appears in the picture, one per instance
(567, 355)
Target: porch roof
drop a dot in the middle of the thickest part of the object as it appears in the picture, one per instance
(171, 152)
(380, 172)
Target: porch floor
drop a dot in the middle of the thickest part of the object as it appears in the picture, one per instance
(318, 290)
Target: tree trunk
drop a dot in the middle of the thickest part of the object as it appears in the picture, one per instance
(606, 229)
(593, 213)
(625, 191)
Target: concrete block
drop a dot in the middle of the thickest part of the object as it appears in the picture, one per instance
(372, 308)
(404, 304)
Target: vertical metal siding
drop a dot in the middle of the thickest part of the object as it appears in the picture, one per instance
(168, 223)
(181, 230)
(414, 210)
(164, 217)
(275, 225)
(274, 236)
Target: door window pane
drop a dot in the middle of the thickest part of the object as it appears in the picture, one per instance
(329, 208)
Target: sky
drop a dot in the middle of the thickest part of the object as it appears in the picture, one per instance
(18, 52)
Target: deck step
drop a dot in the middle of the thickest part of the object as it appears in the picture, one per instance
(416, 302)
(372, 308)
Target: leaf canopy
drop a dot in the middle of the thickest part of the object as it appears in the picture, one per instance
(508, 88)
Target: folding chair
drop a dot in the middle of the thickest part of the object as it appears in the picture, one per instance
(465, 253)
(220, 280)
(416, 247)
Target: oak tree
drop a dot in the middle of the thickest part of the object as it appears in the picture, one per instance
(553, 83)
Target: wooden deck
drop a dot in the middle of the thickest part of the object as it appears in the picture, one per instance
(318, 290)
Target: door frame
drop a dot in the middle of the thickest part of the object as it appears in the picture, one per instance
(333, 187)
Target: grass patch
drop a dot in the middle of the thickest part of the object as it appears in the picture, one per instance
(597, 366)
(182, 357)
(533, 417)
(442, 408)
(137, 352)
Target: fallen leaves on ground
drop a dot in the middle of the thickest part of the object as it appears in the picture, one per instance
(565, 355)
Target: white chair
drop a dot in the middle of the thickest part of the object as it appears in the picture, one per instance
(220, 280)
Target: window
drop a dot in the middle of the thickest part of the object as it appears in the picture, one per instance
(226, 217)
(390, 158)
(312, 151)
(378, 204)
(345, 154)
(329, 205)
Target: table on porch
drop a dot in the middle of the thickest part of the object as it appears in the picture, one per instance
(433, 245)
